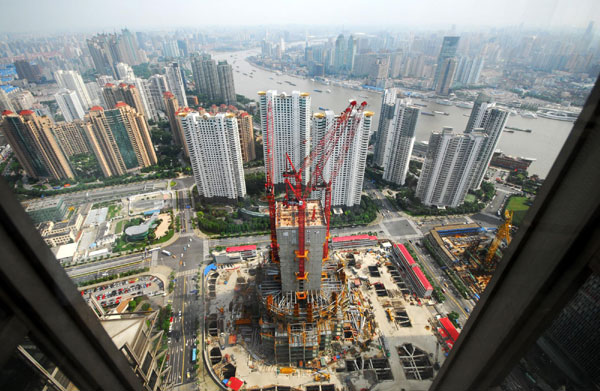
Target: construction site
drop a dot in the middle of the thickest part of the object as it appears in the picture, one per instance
(301, 317)
(469, 253)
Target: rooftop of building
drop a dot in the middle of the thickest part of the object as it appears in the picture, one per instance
(287, 216)
(43, 204)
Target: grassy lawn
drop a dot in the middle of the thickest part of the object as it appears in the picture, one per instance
(119, 227)
(519, 205)
(470, 198)
(113, 210)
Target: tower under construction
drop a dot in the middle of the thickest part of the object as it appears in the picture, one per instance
(300, 315)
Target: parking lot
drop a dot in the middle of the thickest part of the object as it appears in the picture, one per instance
(112, 293)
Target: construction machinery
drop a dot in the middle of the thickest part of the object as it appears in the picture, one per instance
(322, 376)
(503, 233)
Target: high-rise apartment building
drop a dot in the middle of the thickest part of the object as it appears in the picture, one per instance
(290, 128)
(155, 87)
(388, 104)
(124, 71)
(212, 79)
(446, 76)
(172, 111)
(26, 70)
(71, 80)
(175, 82)
(401, 138)
(127, 93)
(128, 49)
(69, 105)
(350, 53)
(95, 93)
(246, 129)
(226, 85)
(449, 47)
(109, 49)
(170, 49)
(5, 102)
(71, 137)
(33, 143)
(215, 154)
(490, 120)
(340, 53)
(102, 54)
(468, 70)
(120, 139)
(448, 167)
(346, 188)
(22, 100)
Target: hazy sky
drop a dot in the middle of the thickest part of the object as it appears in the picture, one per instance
(87, 15)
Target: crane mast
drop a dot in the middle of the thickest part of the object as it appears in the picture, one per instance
(297, 195)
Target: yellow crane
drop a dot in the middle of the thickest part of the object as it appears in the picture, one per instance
(503, 233)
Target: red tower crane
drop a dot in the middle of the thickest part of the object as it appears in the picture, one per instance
(297, 195)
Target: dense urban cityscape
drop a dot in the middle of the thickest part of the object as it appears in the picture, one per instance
(292, 207)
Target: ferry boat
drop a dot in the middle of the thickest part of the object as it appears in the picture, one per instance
(444, 102)
(428, 113)
(317, 91)
(557, 115)
(328, 91)
(440, 112)
(465, 105)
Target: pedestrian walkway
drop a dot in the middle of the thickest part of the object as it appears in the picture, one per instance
(190, 272)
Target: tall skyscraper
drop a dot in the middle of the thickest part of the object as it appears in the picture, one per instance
(5, 103)
(127, 93)
(215, 154)
(291, 128)
(346, 188)
(120, 139)
(388, 104)
(350, 53)
(446, 76)
(71, 80)
(449, 47)
(173, 108)
(212, 79)
(175, 82)
(340, 53)
(33, 143)
(71, 137)
(490, 120)
(226, 86)
(246, 129)
(128, 49)
(69, 105)
(170, 49)
(401, 138)
(26, 70)
(109, 49)
(156, 86)
(206, 76)
(102, 54)
(448, 168)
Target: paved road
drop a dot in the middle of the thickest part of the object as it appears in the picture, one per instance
(94, 270)
(112, 192)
